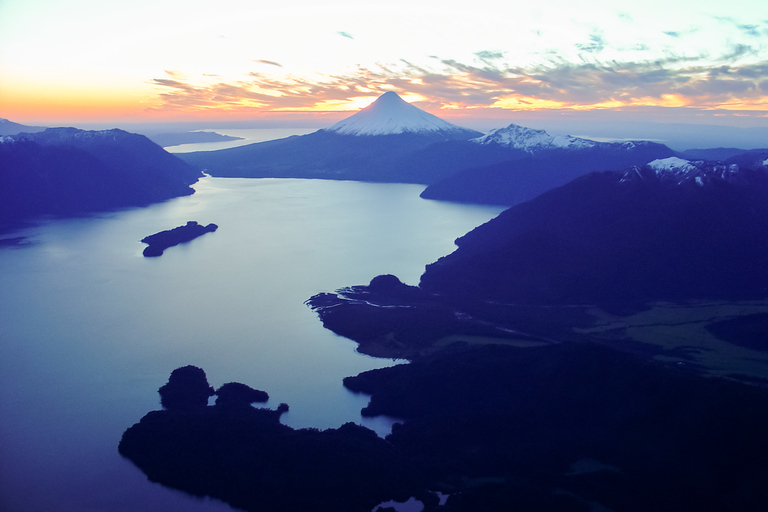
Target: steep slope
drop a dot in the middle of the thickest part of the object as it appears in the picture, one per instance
(66, 171)
(375, 144)
(537, 162)
(672, 230)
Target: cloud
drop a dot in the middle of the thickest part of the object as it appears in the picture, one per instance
(751, 30)
(736, 52)
(345, 34)
(489, 56)
(692, 81)
(596, 43)
(176, 84)
(268, 62)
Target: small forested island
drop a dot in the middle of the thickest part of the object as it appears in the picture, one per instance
(159, 242)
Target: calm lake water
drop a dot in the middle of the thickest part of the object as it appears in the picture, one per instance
(90, 329)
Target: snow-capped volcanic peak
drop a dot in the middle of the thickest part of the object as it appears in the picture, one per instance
(528, 139)
(389, 115)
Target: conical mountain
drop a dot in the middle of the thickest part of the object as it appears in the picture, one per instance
(390, 115)
(388, 141)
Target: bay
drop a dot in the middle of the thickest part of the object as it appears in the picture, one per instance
(90, 329)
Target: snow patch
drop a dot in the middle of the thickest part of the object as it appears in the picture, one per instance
(389, 115)
(672, 163)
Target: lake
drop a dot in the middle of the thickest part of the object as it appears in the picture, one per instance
(90, 329)
(246, 136)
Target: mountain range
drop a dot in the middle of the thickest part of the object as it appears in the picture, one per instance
(65, 171)
(378, 143)
(393, 141)
(561, 331)
(536, 162)
(671, 230)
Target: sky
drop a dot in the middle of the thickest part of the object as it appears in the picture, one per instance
(120, 61)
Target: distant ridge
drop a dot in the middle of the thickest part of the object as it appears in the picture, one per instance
(536, 162)
(10, 128)
(66, 171)
(390, 115)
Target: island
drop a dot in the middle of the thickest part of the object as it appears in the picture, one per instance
(244, 456)
(159, 242)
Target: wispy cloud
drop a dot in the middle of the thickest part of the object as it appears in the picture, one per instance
(268, 63)
(345, 34)
(488, 56)
(596, 43)
(676, 80)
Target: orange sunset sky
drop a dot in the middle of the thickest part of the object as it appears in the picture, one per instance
(84, 61)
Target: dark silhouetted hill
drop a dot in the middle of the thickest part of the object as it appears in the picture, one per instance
(570, 427)
(244, 456)
(672, 231)
(65, 171)
(675, 232)
(575, 419)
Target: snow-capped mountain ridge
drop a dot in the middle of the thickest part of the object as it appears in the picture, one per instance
(533, 141)
(527, 139)
(678, 171)
(390, 115)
